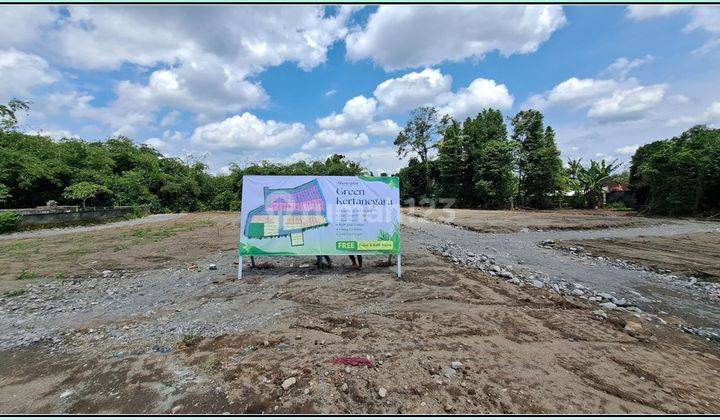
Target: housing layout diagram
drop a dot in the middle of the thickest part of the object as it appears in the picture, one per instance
(288, 212)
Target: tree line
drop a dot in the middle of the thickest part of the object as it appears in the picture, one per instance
(477, 163)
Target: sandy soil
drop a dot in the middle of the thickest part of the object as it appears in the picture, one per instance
(502, 221)
(690, 255)
(133, 246)
(523, 350)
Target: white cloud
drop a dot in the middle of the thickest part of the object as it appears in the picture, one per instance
(398, 37)
(607, 100)
(330, 93)
(170, 118)
(573, 93)
(170, 142)
(480, 94)
(327, 139)
(205, 55)
(55, 133)
(622, 66)
(713, 112)
(642, 12)
(711, 115)
(383, 128)
(247, 38)
(21, 72)
(24, 25)
(626, 105)
(377, 159)
(412, 89)
(247, 131)
(705, 18)
(627, 150)
(356, 113)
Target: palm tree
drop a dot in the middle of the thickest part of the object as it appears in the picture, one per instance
(591, 179)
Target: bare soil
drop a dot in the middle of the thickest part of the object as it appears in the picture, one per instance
(523, 350)
(696, 254)
(505, 221)
(133, 248)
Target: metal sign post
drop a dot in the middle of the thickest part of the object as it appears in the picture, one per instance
(399, 266)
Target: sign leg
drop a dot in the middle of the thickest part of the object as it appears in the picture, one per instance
(240, 267)
(399, 267)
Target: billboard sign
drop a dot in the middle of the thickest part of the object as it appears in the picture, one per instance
(320, 215)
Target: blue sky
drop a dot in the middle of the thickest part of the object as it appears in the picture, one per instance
(239, 84)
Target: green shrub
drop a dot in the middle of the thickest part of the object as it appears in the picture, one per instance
(9, 221)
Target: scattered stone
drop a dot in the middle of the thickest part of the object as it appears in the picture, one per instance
(449, 372)
(67, 393)
(538, 284)
(608, 305)
(306, 391)
(619, 301)
(382, 392)
(288, 383)
(107, 273)
(606, 296)
(632, 327)
(456, 365)
(600, 314)
(212, 267)
(176, 409)
(347, 369)
(344, 387)
(577, 292)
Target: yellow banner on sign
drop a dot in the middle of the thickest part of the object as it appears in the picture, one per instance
(375, 245)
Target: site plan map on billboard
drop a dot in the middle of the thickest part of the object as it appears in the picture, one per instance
(320, 215)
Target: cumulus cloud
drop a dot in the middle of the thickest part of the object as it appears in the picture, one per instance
(330, 139)
(204, 56)
(397, 37)
(383, 128)
(168, 143)
(573, 93)
(21, 26)
(412, 89)
(606, 100)
(248, 38)
(357, 112)
(21, 72)
(248, 132)
(626, 105)
(480, 94)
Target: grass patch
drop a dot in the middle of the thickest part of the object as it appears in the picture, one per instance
(27, 275)
(14, 293)
(211, 366)
(156, 234)
(189, 339)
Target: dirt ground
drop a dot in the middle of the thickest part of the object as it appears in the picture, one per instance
(131, 248)
(522, 349)
(505, 221)
(690, 255)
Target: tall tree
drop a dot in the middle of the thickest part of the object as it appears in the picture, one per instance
(540, 169)
(418, 136)
(493, 182)
(452, 164)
